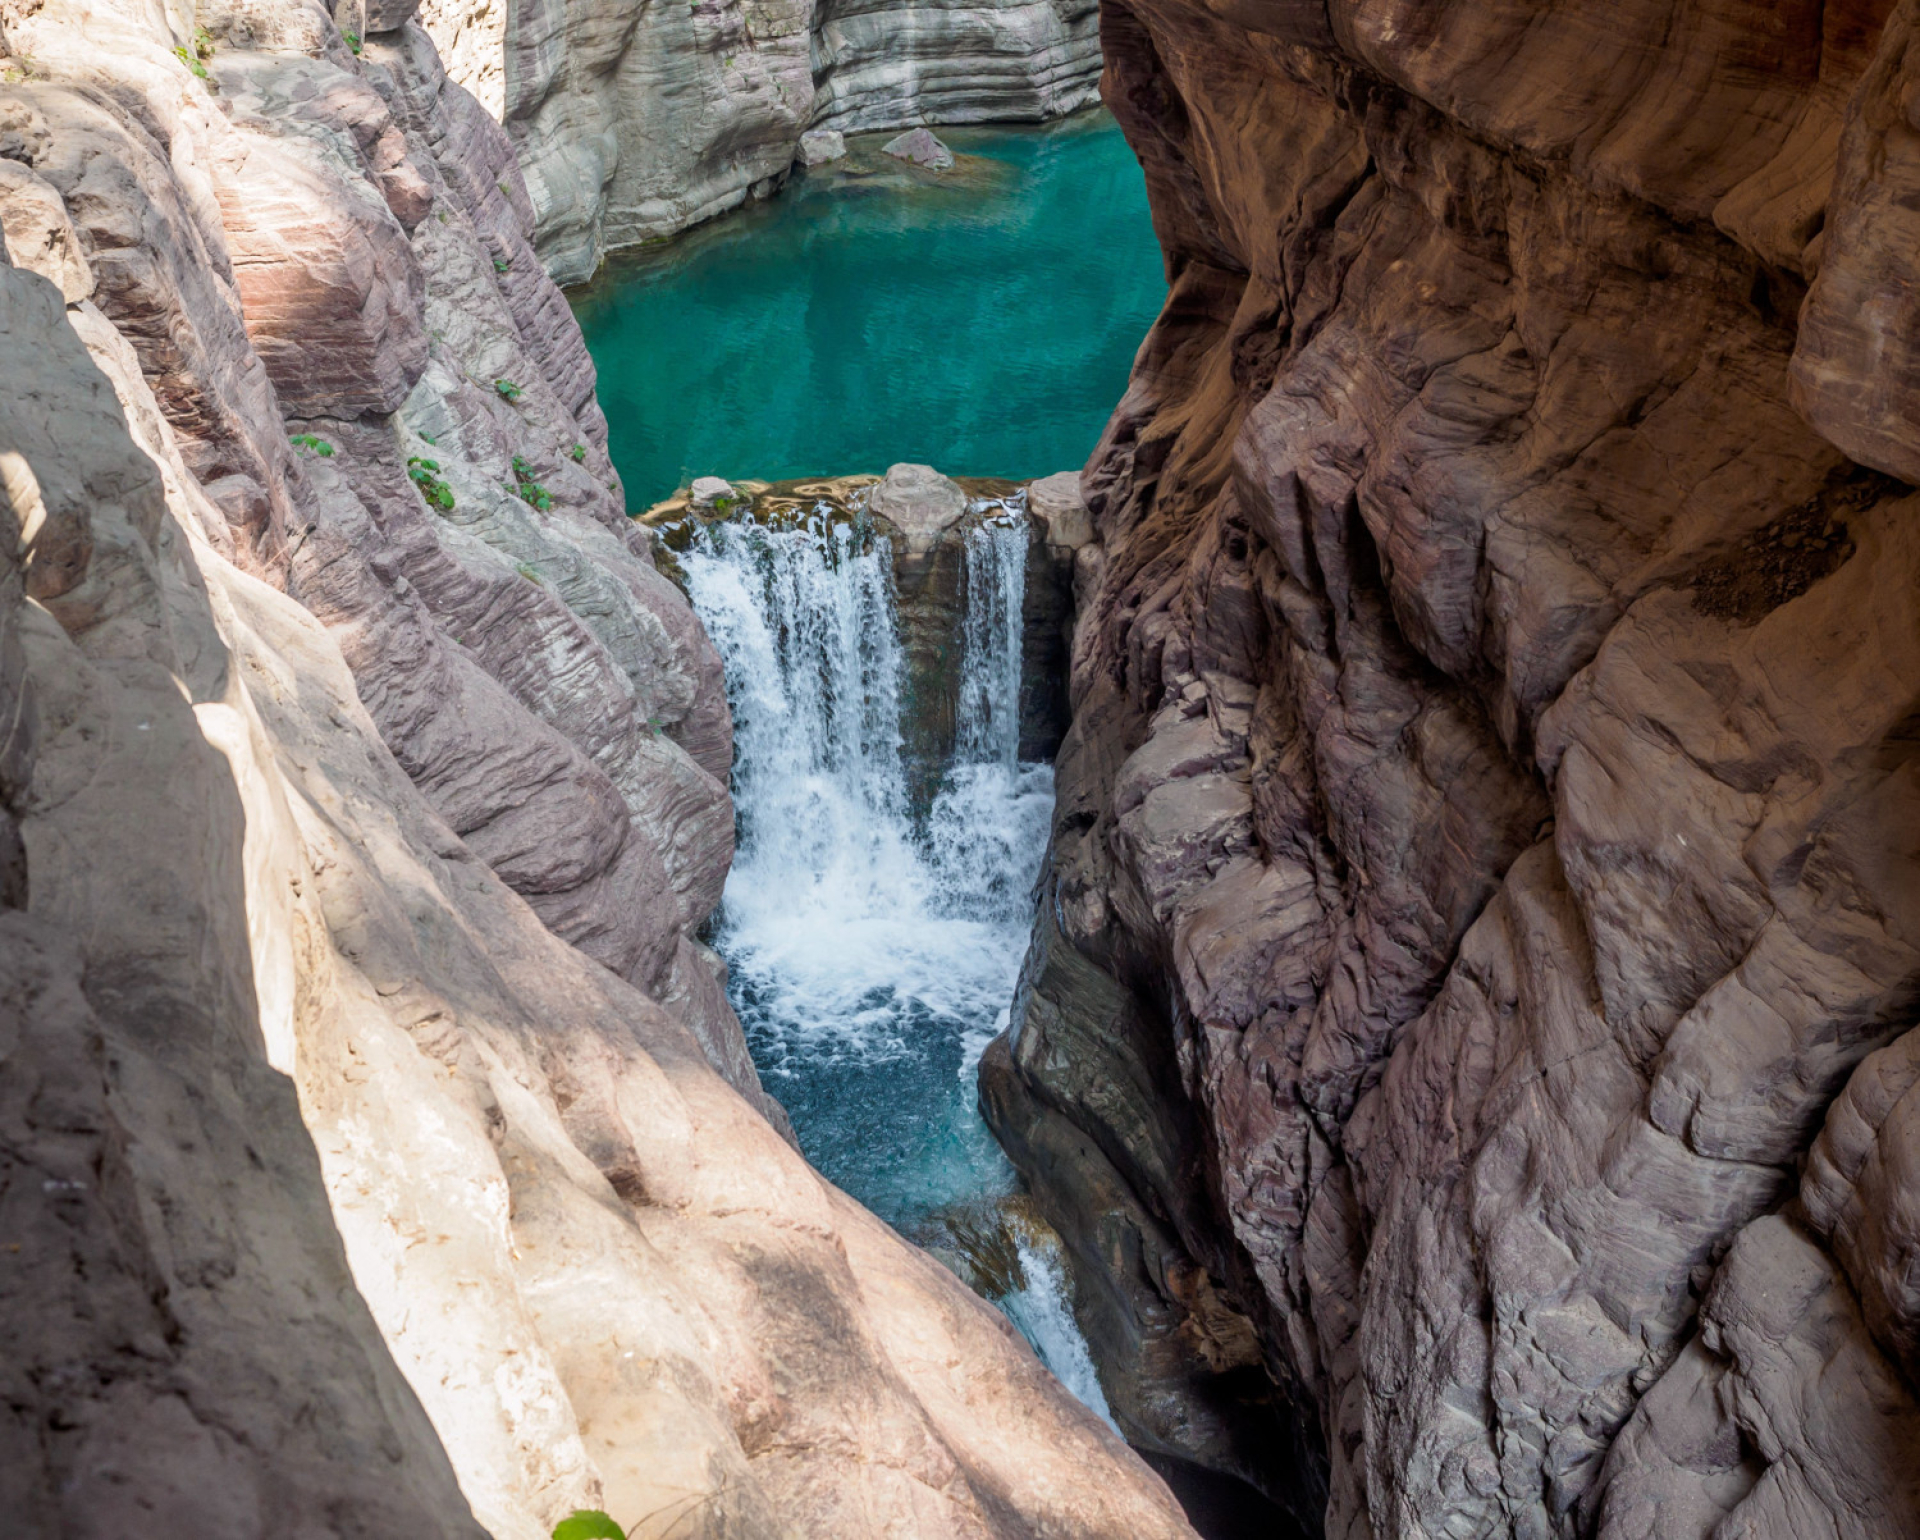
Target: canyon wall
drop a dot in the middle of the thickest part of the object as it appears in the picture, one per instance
(1475, 985)
(633, 120)
(378, 1153)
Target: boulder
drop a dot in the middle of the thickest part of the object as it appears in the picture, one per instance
(820, 145)
(1056, 501)
(708, 490)
(920, 503)
(919, 146)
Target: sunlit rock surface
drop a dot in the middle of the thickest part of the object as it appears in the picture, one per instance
(343, 1196)
(633, 121)
(1484, 929)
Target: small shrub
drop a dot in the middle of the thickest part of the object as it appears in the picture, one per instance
(588, 1524)
(725, 504)
(500, 264)
(425, 474)
(187, 57)
(313, 444)
(508, 390)
(534, 495)
(578, 453)
(429, 438)
(202, 43)
(353, 41)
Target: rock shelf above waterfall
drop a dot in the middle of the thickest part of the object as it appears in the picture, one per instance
(929, 522)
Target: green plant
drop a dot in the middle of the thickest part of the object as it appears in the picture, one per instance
(192, 62)
(531, 574)
(202, 43)
(429, 438)
(425, 474)
(531, 492)
(588, 1524)
(313, 444)
(724, 504)
(577, 454)
(353, 40)
(508, 390)
(501, 264)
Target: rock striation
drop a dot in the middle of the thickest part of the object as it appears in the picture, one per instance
(633, 121)
(1474, 989)
(378, 1154)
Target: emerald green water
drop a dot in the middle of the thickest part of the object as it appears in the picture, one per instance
(982, 320)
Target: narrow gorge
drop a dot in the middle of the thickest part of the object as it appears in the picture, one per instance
(1345, 965)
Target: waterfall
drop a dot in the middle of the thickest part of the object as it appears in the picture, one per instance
(988, 719)
(871, 957)
(989, 819)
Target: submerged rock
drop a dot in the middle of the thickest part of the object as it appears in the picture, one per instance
(921, 148)
(820, 145)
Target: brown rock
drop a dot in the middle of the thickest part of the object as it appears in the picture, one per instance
(1467, 582)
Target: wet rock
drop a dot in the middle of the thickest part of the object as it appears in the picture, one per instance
(921, 148)
(820, 145)
(920, 502)
(708, 490)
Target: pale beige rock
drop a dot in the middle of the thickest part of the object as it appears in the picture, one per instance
(1056, 501)
(38, 235)
(547, 1256)
(920, 503)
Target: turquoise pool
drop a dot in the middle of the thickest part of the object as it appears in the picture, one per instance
(982, 320)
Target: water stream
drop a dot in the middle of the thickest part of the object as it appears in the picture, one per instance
(874, 953)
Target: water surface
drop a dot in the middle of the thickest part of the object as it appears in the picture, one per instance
(981, 320)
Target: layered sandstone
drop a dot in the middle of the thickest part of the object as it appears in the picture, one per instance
(1476, 975)
(381, 1157)
(632, 121)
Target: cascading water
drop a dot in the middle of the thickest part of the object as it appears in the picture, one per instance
(874, 957)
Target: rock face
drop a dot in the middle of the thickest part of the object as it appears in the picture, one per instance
(632, 121)
(1476, 978)
(378, 1155)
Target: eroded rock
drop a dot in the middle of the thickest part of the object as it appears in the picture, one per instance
(1477, 548)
